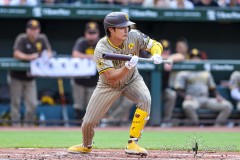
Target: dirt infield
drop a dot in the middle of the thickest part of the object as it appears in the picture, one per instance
(111, 154)
(54, 154)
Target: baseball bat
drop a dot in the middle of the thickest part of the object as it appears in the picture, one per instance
(127, 58)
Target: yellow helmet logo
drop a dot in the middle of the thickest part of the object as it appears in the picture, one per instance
(127, 18)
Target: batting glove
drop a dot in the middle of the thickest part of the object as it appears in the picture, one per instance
(157, 59)
(132, 63)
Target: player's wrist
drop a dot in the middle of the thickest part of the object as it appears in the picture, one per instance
(128, 66)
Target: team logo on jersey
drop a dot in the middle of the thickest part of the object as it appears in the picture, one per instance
(131, 45)
(100, 63)
(89, 51)
(39, 46)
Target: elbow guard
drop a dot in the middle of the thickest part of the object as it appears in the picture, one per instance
(154, 47)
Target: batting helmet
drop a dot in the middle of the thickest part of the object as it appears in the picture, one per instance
(116, 19)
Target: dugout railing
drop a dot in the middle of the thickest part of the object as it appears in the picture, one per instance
(155, 78)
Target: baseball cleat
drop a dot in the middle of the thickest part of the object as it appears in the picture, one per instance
(79, 149)
(134, 149)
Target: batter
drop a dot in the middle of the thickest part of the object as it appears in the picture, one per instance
(118, 78)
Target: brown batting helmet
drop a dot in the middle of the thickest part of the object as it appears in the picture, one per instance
(116, 19)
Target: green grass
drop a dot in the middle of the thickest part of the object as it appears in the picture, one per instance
(176, 140)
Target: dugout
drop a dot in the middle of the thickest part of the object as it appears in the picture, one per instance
(219, 36)
(216, 31)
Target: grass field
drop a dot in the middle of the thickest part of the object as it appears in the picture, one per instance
(117, 139)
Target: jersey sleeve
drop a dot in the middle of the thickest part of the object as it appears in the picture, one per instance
(141, 38)
(46, 44)
(148, 44)
(78, 45)
(19, 43)
(211, 82)
(234, 80)
(102, 64)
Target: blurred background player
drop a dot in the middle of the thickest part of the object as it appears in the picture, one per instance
(169, 95)
(27, 47)
(235, 87)
(181, 47)
(195, 88)
(83, 87)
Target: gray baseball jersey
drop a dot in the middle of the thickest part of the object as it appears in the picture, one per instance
(132, 86)
(195, 83)
(235, 80)
(136, 41)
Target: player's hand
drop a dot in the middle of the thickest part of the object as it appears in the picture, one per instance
(219, 98)
(188, 97)
(157, 59)
(33, 56)
(132, 63)
(167, 67)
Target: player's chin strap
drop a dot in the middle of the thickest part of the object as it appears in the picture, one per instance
(139, 120)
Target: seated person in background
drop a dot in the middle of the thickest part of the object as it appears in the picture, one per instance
(181, 4)
(18, 2)
(115, 2)
(169, 95)
(181, 47)
(156, 3)
(235, 86)
(194, 87)
(206, 3)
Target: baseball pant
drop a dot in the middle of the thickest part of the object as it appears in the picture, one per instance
(169, 99)
(104, 96)
(238, 106)
(224, 108)
(120, 109)
(27, 90)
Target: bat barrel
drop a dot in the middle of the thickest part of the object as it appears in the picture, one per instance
(116, 57)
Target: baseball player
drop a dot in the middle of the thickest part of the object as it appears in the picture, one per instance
(27, 46)
(118, 78)
(169, 95)
(83, 87)
(234, 87)
(194, 87)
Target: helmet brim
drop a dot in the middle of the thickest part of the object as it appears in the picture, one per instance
(125, 24)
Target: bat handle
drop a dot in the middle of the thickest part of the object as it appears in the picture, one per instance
(168, 61)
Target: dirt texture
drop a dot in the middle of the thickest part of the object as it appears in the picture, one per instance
(112, 154)
(108, 154)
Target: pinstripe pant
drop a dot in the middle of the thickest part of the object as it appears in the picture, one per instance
(102, 99)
